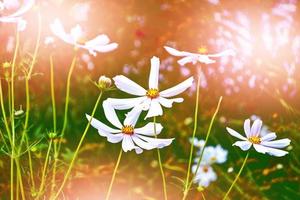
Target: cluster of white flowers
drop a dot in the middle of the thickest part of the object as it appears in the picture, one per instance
(205, 174)
(149, 100)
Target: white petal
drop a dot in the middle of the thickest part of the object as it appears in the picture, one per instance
(175, 52)
(155, 109)
(124, 104)
(247, 128)
(111, 114)
(100, 126)
(76, 33)
(143, 144)
(256, 127)
(148, 129)
(268, 137)
(103, 48)
(185, 60)
(158, 142)
(235, 134)
(228, 52)
(169, 102)
(59, 31)
(177, 89)
(154, 73)
(270, 151)
(277, 143)
(133, 116)
(205, 59)
(115, 138)
(244, 145)
(127, 143)
(99, 40)
(126, 85)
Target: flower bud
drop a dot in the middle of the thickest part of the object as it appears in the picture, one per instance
(104, 82)
(52, 135)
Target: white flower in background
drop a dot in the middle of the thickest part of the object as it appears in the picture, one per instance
(9, 4)
(197, 143)
(262, 144)
(205, 175)
(151, 99)
(76, 37)
(16, 17)
(196, 57)
(131, 137)
(212, 155)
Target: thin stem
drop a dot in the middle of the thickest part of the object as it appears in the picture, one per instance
(4, 113)
(13, 113)
(67, 99)
(44, 170)
(19, 177)
(114, 175)
(78, 148)
(185, 193)
(194, 133)
(160, 164)
(54, 123)
(237, 177)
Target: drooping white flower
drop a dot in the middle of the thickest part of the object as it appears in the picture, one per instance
(17, 17)
(205, 175)
(151, 99)
(131, 137)
(100, 43)
(196, 57)
(262, 144)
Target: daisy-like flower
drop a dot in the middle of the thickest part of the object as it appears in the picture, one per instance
(262, 144)
(16, 17)
(212, 155)
(196, 57)
(101, 43)
(205, 175)
(151, 99)
(131, 137)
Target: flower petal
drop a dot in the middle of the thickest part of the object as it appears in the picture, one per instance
(124, 104)
(177, 89)
(188, 59)
(141, 143)
(111, 115)
(256, 127)
(244, 145)
(270, 151)
(169, 102)
(115, 138)
(268, 137)
(100, 126)
(158, 142)
(277, 143)
(127, 143)
(59, 31)
(228, 52)
(99, 40)
(154, 73)
(133, 116)
(235, 134)
(155, 109)
(126, 85)
(102, 48)
(148, 129)
(247, 128)
(175, 52)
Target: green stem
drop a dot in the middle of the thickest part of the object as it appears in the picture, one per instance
(12, 115)
(54, 123)
(160, 164)
(194, 133)
(237, 177)
(44, 170)
(67, 174)
(19, 177)
(4, 113)
(114, 175)
(185, 193)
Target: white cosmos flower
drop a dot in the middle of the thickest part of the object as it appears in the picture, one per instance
(151, 99)
(205, 175)
(196, 57)
(16, 17)
(212, 155)
(262, 144)
(76, 37)
(131, 137)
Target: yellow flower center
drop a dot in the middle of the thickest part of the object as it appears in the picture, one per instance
(205, 169)
(254, 140)
(81, 41)
(128, 130)
(213, 158)
(152, 93)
